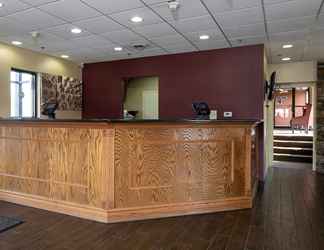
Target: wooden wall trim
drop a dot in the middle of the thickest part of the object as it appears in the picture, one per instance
(57, 206)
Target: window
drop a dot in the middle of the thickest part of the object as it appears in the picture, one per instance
(23, 93)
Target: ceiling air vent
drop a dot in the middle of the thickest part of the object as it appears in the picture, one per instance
(140, 47)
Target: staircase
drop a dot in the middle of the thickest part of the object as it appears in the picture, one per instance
(295, 148)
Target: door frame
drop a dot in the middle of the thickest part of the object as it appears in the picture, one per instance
(313, 86)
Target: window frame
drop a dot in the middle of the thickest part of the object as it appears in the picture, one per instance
(35, 90)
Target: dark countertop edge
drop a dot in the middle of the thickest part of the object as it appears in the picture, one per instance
(109, 121)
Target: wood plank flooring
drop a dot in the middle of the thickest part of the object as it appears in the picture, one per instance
(288, 215)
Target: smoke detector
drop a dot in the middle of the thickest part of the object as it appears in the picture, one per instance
(35, 34)
(173, 5)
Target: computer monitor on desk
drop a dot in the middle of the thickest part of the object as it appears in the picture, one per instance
(201, 110)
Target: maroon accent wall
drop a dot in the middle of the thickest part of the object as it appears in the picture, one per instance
(228, 79)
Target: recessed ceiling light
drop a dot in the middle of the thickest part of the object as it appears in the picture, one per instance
(17, 43)
(1, 5)
(136, 19)
(286, 59)
(287, 46)
(118, 48)
(65, 56)
(204, 37)
(76, 31)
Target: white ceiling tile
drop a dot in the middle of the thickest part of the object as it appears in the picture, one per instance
(64, 31)
(292, 9)
(194, 24)
(212, 44)
(99, 25)
(92, 41)
(289, 37)
(149, 17)
(59, 46)
(12, 6)
(148, 52)
(320, 21)
(244, 41)
(240, 17)
(155, 30)
(11, 28)
(38, 2)
(181, 50)
(251, 30)
(113, 6)
(123, 37)
(70, 10)
(186, 9)
(179, 47)
(218, 6)
(267, 2)
(317, 37)
(215, 34)
(276, 46)
(41, 43)
(165, 40)
(153, 1)
(291, 24)
(35, 19)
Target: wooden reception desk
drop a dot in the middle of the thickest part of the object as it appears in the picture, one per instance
(112, 171)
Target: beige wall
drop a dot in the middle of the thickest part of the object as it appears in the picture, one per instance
(134, 96)
(268, 124)
(15, 57)
(294, 72)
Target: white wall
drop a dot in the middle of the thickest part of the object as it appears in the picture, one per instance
(268, 124)
(15, 57)
(298, 72)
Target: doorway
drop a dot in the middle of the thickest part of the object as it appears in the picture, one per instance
(294, 122)
(141, 98)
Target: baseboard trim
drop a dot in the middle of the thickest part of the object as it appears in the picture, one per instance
(178, 209)
(126, 214)
(67, 208)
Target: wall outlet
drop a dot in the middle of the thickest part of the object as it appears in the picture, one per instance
(228, 114)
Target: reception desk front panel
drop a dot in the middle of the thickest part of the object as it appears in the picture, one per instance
(118, 171)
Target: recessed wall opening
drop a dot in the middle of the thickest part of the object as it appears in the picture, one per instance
(294, 122)
(141, 98)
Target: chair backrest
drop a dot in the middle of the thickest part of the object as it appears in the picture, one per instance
(308, 111)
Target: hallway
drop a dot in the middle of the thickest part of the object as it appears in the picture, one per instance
(288, 214)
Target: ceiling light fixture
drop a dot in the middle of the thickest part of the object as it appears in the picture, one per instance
(17, 43)
(1, 5)
(65, 56)
(286, 59)
(118, 48)
(287, 46)
(76, 31)
(137, 19)
(203, 37)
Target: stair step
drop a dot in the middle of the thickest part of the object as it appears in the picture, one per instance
(293, 150)
(293, 158)
(293, 138)
(297, 144)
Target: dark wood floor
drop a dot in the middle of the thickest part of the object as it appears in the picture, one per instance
(288, 214)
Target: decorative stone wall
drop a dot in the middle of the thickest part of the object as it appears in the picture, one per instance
(320, 123)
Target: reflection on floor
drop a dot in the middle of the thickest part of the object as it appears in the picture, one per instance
(288, 214)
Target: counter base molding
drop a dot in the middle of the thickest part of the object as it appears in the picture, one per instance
(112, 172)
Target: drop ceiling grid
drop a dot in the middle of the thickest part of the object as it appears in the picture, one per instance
(229, 23)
